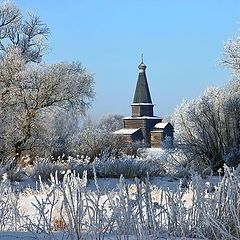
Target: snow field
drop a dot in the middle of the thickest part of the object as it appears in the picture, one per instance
(78, 208)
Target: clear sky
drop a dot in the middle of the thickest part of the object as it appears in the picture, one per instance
(182, 42)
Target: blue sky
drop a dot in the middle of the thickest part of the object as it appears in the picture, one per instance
(182, 42)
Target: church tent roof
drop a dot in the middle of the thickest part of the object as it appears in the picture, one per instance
(142, 93)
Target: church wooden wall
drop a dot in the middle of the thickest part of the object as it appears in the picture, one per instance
(158, 135)
(146, 126)
(156, 138)
(141, 110)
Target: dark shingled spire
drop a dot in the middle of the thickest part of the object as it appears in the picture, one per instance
(142, 94)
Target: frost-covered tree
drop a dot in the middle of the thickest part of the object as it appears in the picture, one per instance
(35, 92)
(28, 34)
(56, 129)
(208, 128)
(95, 137)
(110, 122)
(30, 92)
(231, 57)
(197, 125)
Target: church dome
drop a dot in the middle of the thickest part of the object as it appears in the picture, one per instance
(142, 66)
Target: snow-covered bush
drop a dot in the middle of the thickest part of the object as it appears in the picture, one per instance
(156, 163)
(44, 168)
(232, 158)
(80, 165)
(172, 161)
(128, 167)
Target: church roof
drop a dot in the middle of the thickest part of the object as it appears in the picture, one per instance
(126, 131)
(143, 117)
(142, 93)
(161, 125)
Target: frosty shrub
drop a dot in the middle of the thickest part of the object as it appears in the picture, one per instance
(207, 128)
(45, 167)
(173, 162)
(128, 167)
(150, 162)
(111, 167)
(162, 163)
(232, 158)
(80, 165)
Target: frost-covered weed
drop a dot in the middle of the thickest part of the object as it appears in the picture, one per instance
(222, 217)
(11, 216)
(138, 209)
(10, 167)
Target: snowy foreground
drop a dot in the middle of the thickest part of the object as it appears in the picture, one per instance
(61, 236)
(157, 208)
(30, 197)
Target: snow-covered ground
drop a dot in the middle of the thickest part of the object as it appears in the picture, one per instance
(106, 207)
(71, 206)
(62, 236)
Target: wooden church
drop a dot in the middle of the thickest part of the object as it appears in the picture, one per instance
(143, 125)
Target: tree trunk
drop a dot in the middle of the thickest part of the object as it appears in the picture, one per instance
(18, 150)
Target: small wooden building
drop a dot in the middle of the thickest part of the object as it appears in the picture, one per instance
(160, 132)
(130, 134)
(143, 125)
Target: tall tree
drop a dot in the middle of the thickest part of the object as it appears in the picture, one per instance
(30, 91)
(208, 128)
